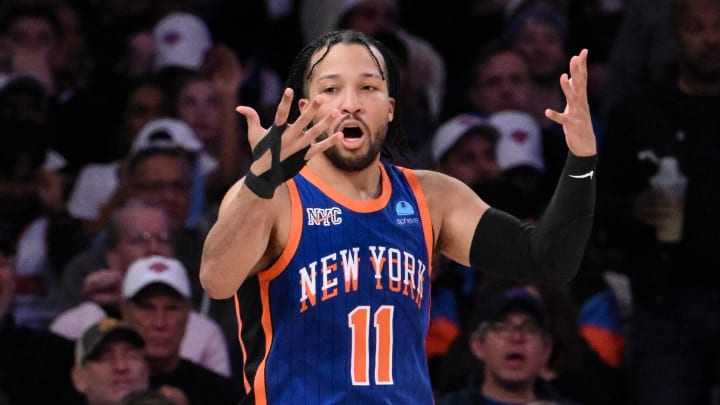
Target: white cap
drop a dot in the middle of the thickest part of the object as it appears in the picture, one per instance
(447, 135)
(54, 161)
(179, 134)
(520, 140)
(181, 39)
(156, 269)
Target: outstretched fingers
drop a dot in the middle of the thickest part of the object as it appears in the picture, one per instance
(318, 129)
(574, 87)
(283, 110)
(308, 115)
(575, 119)
(251, 116)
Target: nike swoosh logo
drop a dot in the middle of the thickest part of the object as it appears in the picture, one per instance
(582, 176)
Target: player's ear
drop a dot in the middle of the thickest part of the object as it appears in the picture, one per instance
(303, 104)
(391, 108)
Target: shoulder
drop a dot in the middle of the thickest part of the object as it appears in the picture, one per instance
(201, 323)
(73, 322)
(431, 180)
(439, 188)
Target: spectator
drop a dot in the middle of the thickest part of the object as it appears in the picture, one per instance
(156, 294)
(96, 182)
(33, 32)
(206, 103)
(38, 33)
(462, 147)
(465, 147)
(109, 362)
(139, 230)
(521, 161)
(498, 80)
(34, 364)
(413, 113)
(32, 214)
(643, 50)
(674, 323)
(100, 191)
(512, 341)
(539, 32)
(136, 229)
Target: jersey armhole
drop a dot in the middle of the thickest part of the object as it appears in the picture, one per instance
(296, 224)
(414, 183)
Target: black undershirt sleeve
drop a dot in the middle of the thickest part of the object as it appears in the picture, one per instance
(550, 251)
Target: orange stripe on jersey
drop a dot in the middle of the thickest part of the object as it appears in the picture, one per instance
(246, 383)
(296, 224)
(264, 278)
(358, 206)
(424, 212)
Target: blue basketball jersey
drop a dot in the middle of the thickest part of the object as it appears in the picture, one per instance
(342, 315)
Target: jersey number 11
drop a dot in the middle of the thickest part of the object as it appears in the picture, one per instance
(359, 323)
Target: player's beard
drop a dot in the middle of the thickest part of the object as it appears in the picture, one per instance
(355, 162)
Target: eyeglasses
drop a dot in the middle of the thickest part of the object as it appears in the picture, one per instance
(144, 238)
(506, 330)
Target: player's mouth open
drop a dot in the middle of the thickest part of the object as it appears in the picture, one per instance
(352, 132)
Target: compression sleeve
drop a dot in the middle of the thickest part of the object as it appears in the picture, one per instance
(550, 251)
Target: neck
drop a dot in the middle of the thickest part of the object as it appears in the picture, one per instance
(360, 185)
(503, 391)
(163, 366)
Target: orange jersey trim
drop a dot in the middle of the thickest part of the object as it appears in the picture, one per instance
(264, 278)
(358, 206)
(246, 383)
(424, 213)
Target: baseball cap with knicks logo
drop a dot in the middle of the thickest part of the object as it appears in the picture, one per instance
(450, 132)
(156, 270)
(520, 142)
(181, 39)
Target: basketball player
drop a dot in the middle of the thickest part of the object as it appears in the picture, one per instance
(327, 247)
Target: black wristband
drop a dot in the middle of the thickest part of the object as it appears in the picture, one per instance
(264, 185)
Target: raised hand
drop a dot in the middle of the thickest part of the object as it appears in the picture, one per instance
(103, 287)
(575, 119)
(294, 137)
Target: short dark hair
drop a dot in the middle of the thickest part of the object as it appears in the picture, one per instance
(144, 154)
(486, 51)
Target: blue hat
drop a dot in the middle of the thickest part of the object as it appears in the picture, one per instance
(514, 299)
